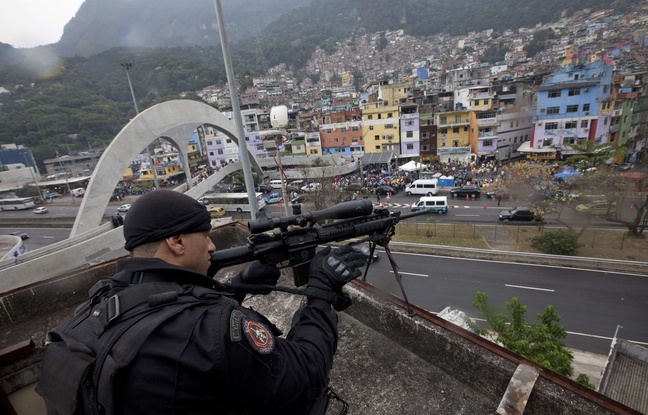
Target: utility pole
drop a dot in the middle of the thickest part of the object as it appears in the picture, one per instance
(127, 66)
(236, 114)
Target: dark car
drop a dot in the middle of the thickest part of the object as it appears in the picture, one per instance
(264, 188)
(517, 213)
(385, 190)
(299, 198)
(237, 188)
(463, 191)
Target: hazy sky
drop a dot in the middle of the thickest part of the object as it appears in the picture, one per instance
(29, 23)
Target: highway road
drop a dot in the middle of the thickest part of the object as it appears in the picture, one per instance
(591, 303)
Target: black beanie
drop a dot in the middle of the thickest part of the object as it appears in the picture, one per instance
(163, 213)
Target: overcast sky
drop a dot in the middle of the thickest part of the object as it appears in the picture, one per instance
(29, 23)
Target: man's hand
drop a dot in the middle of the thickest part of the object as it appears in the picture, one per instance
(258, 274)
(331, 269)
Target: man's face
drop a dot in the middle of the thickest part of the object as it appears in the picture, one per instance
(198, 249)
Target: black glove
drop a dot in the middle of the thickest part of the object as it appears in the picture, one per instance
(331, 269)
(258, 274)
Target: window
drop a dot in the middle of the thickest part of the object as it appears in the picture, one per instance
(354, 128)
(455, 143)
(584, 124)
(371, 127)
(572, 108)
(487, 143)
(444, 131)
(370, 117)
(389, 115)
(573, 91)
(455, 130)
(553, 110)
(409, 123)
(377, 147)
(389, 125)
(329, 131)
(376, 137)
(586, 107)
(424, 134)
(485, 102)
(551, 126)
(210, 143)
(443, 144)
(409, 146)
(555, 93)
(228, 141)
(443, 120)
(410, 134)
(571, 124)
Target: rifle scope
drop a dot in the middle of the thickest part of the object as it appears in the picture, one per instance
(344, 210)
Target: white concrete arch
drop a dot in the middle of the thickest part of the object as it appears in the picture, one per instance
(174, 121)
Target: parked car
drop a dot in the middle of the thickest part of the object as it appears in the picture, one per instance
(21, 234)
(216, 212)
(521, 213)
(51, 195)
(299, 198)
(273, 198)
(385, 190)
(237, 188)
(463, 191)
(312, 187)
(264, 188)
(41, 210)
(124, 208)
(600, 207)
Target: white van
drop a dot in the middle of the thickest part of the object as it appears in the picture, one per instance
(438, 204)
(428, 187)
(275, 184)
(78, 192)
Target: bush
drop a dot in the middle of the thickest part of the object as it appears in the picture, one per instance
(557, 243)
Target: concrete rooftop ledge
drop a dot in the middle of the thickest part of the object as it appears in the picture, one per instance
(387, 362)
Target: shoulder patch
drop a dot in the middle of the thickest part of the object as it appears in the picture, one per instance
(235, 326)
(258, 335)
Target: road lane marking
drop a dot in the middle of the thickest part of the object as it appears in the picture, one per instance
(528, 288)
(411, 273)
(48, 237)
(468, 215)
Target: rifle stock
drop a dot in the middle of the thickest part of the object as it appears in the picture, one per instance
(298, 244)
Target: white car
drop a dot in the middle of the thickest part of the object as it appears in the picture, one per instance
(124, 208)
(41, 210)
(311, 187)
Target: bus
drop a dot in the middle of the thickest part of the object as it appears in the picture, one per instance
(232, 201)
(17, 203)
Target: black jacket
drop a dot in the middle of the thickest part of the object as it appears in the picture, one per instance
(223, 358)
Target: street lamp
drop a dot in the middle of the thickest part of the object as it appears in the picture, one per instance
(128, 66)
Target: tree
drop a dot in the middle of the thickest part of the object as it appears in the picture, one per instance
(540, 342)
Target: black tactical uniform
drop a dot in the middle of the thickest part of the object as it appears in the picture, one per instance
(220, 358)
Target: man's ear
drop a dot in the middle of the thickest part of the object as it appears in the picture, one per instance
(175, 244)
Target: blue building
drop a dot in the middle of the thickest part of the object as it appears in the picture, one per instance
(569, 109)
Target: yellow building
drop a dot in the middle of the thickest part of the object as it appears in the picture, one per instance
(380, 128)
(453, 138)
(313, 144)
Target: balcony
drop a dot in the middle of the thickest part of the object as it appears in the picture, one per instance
(454, 123)
(614, 128)
(487, 122)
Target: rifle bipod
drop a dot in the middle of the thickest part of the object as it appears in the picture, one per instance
(394, 265)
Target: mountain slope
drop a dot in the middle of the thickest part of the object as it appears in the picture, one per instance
(101, 25)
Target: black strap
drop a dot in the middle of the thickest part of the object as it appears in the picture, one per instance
(154, 293)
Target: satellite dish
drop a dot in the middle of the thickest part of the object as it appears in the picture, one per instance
(279, 116)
